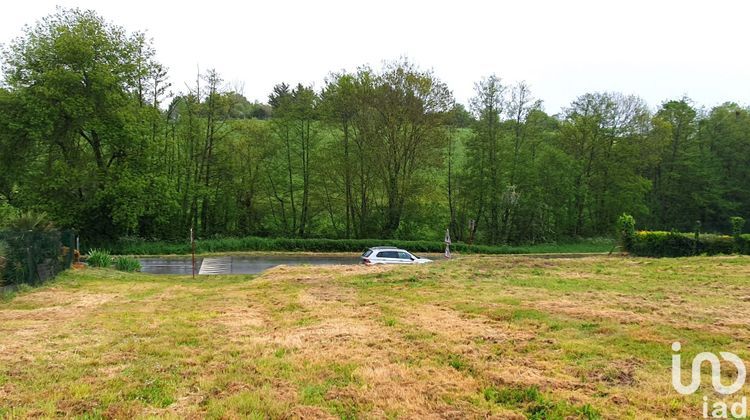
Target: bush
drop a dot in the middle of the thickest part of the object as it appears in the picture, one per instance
(31, 242)
(128, 264)
(743, 244)
(7, 214)
(675, 244)
(737, 224)
(99, 258)
(626, 230)
(678, 244)
(715, 244)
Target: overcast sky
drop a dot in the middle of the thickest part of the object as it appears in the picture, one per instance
(657, 49)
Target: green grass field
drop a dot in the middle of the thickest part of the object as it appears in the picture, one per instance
(475, 337)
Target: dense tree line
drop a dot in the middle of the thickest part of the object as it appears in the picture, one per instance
(90, 135)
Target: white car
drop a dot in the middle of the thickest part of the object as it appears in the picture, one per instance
(390, 255)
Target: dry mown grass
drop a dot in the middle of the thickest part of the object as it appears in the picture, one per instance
(476, 337)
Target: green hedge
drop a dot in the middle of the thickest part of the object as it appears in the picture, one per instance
(676, 244)
(295, 245)
(141, 247)
(743, 244)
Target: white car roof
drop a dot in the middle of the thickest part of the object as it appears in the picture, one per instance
(387, 248)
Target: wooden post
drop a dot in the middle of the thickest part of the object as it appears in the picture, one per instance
(447, 243)
(192, 247)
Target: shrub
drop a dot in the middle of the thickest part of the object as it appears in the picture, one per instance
(31, 241)
(99, 258)
(675, 244)
(129, 264)
(30, 221)
(715, 244)
(737, 224)
(661, 244)
(626, 230)
(7, 214)
(743, 244)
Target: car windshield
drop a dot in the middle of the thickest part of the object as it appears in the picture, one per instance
(367, 253)
(413, 255)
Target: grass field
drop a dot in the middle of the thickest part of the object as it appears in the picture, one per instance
(479, 336)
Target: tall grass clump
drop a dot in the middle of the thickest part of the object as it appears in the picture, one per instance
(99, 258)
(537, 406)
(125, 263)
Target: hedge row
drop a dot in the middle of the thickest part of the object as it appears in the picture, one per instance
(676, 244)
(141, 247)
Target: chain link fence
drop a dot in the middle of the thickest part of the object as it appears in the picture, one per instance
(33, 256)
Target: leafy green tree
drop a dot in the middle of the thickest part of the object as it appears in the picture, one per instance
(410, 110)
(295, 124)
(724, 150)
(484, 156)
(339, 103)
(91, 134)
(675, 176)
(77, 81)
(604, 133)
(543, 181)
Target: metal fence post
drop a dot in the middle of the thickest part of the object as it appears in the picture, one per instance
(192, 247)
(29, 266)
